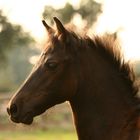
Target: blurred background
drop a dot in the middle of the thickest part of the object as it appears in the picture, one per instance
(22, 36)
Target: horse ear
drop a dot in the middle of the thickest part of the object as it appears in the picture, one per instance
(60, 28)
(49, 29)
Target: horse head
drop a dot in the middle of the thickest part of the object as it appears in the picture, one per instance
(53, 79)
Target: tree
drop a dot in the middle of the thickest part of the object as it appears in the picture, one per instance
(11, 36)
(15, 51)
(88, 10)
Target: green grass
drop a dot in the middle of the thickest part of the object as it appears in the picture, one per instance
(38, 135)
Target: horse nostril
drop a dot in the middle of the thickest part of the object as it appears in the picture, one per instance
(12, 110)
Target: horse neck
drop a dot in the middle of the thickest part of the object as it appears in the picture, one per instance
(101, 107)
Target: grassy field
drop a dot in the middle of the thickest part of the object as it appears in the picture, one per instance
(38, 135)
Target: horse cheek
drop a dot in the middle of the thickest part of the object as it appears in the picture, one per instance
(70, 87)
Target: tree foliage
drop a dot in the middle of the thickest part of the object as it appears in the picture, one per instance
(14, 54)
(11, 36)
(88, 10)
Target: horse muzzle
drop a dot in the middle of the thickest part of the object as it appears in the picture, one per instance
(17, 117)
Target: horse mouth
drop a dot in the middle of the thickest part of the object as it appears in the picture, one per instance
(27, 119)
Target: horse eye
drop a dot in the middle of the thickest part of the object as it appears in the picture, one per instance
(51, 65)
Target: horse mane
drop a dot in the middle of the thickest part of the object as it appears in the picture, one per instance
(108, 47)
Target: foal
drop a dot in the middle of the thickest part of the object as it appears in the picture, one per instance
(89, 73)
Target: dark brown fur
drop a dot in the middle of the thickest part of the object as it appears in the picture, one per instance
(89, 73)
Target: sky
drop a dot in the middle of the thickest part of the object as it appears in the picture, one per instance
(28, 13)
(122, 15)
